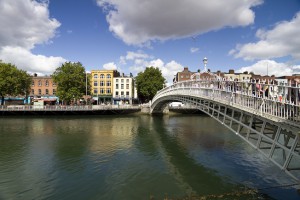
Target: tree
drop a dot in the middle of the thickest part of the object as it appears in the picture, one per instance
(71, 81)
(13, 81)
(148, 83)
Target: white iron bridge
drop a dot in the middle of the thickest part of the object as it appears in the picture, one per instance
(266, 116)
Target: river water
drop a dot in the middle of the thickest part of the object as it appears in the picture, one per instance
(132, 157)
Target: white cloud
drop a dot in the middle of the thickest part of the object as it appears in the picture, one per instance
(140, 21)
(138, 61)
(282, 40)
(26, 23)
(25, 60)
(271, 67)
(134, 55)
(194, 49)
(110, 66)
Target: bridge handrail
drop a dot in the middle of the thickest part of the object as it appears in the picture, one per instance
(280, 101)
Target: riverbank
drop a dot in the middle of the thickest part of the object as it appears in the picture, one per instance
(21, 110)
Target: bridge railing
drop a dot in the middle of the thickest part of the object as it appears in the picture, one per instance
(280, 101)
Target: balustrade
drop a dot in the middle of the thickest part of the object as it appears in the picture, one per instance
(266, 99)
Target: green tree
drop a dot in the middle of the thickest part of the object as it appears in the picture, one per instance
(13, 81)
(148, 83)
(71, 81)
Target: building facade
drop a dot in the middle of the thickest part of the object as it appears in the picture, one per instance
(43, 88)
(102, 85)
(185, 75)
(124, 91)
(232, 76)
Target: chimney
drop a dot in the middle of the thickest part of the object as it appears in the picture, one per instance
(231, 71)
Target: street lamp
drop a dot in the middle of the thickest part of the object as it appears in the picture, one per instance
(86, 85)
(205, 63)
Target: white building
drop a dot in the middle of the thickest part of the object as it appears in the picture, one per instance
(123, 90)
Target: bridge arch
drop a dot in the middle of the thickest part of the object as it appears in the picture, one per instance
(272, 127)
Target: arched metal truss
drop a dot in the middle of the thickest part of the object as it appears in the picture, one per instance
(276, 136)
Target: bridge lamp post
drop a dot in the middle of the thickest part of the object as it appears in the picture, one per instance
(205, 63)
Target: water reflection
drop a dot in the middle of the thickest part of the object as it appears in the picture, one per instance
(194, 177)
(127, 157)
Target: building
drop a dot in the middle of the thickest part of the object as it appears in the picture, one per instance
(124, 91)
(183, 76)
(232, 76)
(43, 88)
(102, 85)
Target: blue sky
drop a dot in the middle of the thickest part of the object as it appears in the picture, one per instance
(249, 35)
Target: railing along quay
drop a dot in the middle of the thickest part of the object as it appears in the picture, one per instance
(279, 102)
(65, 109)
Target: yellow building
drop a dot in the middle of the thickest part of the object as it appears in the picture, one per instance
(102, 85)
(237, 76)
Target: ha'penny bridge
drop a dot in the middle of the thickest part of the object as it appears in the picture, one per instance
(266, 116)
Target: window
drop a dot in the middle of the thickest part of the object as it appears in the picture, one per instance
(108, 83)
(122, 93)
(40, 92)
(40, 83)
(122, 86)
(117, 86)
(32, 83)
(117, 93)
(117, 80)
(54, 92)
(127, 80)
(127, 93)
(108, 91)
(108, 76)
(47, 91)
(32, 91)
(95, 83)
(101, 90)
(95, 91)
(122, 80)
(102, 76)
(101, 83)
(95, 75)
(127, 86)
(47, 83)
(53, 84)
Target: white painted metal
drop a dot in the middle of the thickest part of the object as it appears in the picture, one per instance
(267, 120)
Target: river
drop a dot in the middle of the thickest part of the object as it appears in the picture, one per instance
(132, 157)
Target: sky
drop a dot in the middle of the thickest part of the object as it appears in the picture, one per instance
(260, 36)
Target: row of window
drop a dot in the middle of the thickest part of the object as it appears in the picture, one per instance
(122, 86)
(187, 76)
(102, 83)
(102, 91)
(122, 80)
(39, 92)
(40, 83)
(122, 93)
(102, 76)
(108, 91)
